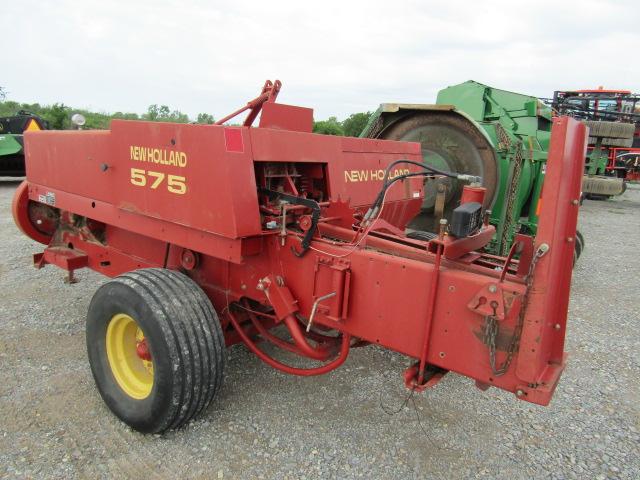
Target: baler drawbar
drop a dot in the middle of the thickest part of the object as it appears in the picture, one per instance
(216, 235)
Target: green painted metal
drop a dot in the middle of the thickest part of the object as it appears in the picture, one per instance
(518, 128)
(597, 159)
(526, 122)
(9, 144)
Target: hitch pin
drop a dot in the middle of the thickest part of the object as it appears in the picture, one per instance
(314, 309)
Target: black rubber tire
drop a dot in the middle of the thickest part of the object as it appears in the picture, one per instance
(612, 142)
(579, 244)
(610, 129)
(420, 235)
(597, 196)
(185, 339)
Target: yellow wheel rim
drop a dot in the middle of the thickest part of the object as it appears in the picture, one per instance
(133, 373)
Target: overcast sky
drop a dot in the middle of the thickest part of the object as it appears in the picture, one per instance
(337, 57)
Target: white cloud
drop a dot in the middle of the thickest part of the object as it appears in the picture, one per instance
(337, 57)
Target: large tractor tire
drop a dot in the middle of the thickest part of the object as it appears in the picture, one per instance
(610, 129)
(450, 142)
(611, 134)
(612, 142)
(156, 348)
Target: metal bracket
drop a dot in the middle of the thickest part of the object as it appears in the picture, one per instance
(63, 257)
(489, 301)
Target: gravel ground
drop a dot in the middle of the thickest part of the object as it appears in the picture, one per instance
(264, 424)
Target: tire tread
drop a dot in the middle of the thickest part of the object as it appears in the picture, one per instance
(194, 333)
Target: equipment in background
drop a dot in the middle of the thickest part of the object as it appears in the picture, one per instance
(613, 118)
(500, 136)
(11, 141)
(627, 161)
(218, 234)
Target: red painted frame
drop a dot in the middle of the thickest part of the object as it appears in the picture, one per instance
(407, 295)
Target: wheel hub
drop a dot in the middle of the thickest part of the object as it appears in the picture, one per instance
(129, 356)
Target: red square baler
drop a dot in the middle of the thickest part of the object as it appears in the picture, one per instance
(215, 235)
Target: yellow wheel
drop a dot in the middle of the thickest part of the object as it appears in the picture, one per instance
(156, 348)
(129, 356)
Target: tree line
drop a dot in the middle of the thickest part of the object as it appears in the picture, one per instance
(58, 116)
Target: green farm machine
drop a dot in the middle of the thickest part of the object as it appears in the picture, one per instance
(500, 136)
(11, 143)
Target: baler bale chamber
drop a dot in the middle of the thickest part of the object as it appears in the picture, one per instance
(217, 235)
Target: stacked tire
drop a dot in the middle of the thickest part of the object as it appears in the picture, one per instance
(613, 134)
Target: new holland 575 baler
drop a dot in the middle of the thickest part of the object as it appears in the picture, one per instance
(218, 235)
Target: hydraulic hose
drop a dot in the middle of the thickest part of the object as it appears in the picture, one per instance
(304, 372)
(387, 183)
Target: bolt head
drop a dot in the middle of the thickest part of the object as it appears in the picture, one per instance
(557, 326)
(493, 288)
(519, 393)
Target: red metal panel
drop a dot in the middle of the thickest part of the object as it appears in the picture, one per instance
(545, 322)
(152, 228)
(219, 194)
(402, 149)
(286, 117)
(285, 146)
(73, 165)
(233, 141)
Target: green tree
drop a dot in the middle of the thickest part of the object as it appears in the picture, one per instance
(354, 124)
(58, 116)
(205, 118)
(330, 126)
(153, 112)
(162, 113)
(126, 116)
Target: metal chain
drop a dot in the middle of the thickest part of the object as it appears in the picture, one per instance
(511, 199)
(503, 139)
(376, 128)
(492, 329)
